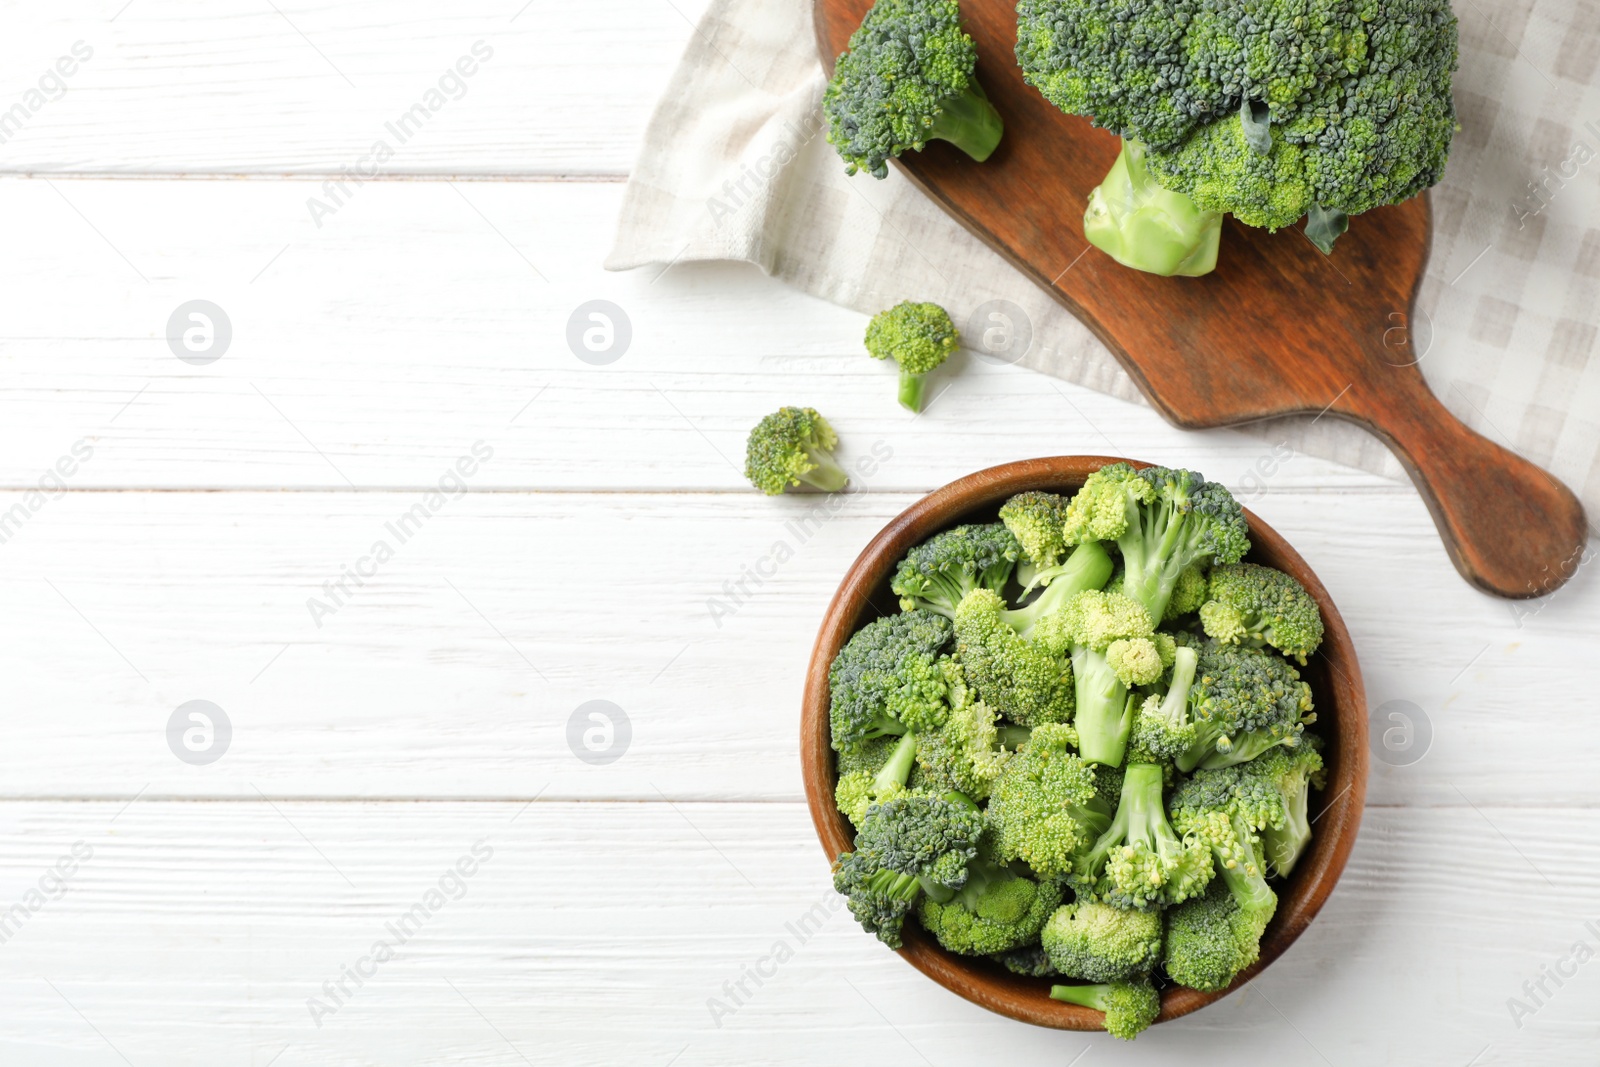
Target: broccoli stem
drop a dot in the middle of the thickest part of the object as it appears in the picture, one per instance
(1248, 886)
(1105, 714)
(968, 121)
(1142, 225)
(1284, 845)
(912, 388)
(827, 475)
(1090, 996)
(1175, 705)
(894, 773)
(1088, 567)
(1014, 737)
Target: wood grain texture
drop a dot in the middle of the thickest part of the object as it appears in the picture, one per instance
(1333, 674)
(1277, 329)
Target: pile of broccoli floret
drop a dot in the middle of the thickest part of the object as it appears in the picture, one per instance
(1079, 749)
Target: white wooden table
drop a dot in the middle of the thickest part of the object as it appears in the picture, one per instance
(417, 722)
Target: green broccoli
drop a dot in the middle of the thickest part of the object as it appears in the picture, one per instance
(1287, 109)
(1140, 862)
(906, 80)
(1031, 961)
(889, 679)
(793, 446)
(966, 754)
(1100, 943)
(1260, 607)
(918, 337)
(1130, 1007)
(1113, 646)
(1290, 772)
(936, 574)
(1044, 809)
(873, 772)
(1022, 680)
(1139, 223)
(1036, 519)
(996, 911)
(1243, 702)
(1164, 522)
(1162, 731)
(906, 846)
(1211, 938)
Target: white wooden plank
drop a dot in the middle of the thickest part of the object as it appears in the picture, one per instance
(373, 351)
(453, 671)
(309, 87)
(597, 934)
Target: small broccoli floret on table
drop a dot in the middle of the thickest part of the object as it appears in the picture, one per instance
(997, 910)
(1100, 943)
(1289, 773)
(912, 844)
(888, 679)
(1112, 646)
(1130, 1007)
(1044, 809)
(1261, 607)
(791, 447)
(1164, 522)
(908, 79)
(1021, 679)
(918, 337)
(936, 574)
(1140, 862)
(1244, 701)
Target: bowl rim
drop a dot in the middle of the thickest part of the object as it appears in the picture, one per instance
(1342, 722)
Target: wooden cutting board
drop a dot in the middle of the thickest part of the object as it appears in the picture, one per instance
(1277, 329)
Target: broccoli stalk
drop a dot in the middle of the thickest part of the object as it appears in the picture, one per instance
(1113, 645)
(858, 789)
(1140, 862)
(1130, 1007)
(793, 446)
(968, 121)
(1088, 567)
(1141, 224)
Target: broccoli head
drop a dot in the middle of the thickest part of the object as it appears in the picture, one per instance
(1099, 943)
(906, 846)
(1036, 519)
(1282, 110)
(918, 337)
(1261, 607)
(1164, 522)
(793, 446)
(1289, 773)
(1021, 679)
(889, 679)
(1212, 938)
(873, 772)
(966, 753)
(1044, 809)
(1030, 961)
(1243, 702)
(906, 80)
(937, 573)
(996, 911)
(1130, 1007)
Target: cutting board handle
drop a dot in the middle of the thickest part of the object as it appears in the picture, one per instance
(1511, 528)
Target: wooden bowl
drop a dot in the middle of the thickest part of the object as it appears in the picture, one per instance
(1334, 676)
